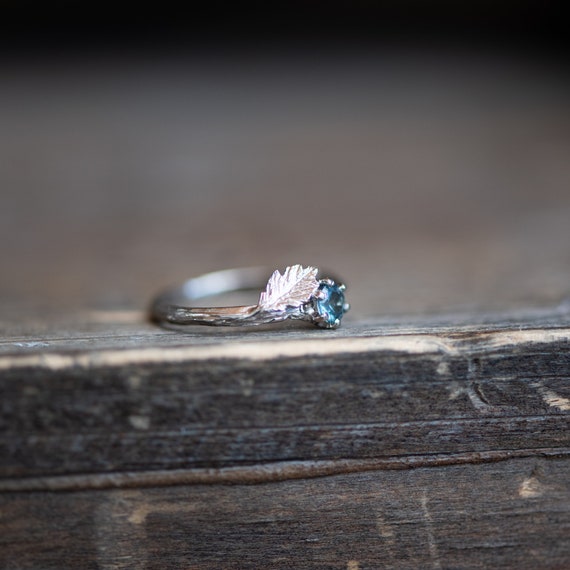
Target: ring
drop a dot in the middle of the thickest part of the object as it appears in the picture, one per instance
(297, 294)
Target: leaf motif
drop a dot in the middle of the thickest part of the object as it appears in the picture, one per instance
(292, 289)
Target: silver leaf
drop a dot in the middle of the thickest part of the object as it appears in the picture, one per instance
(292, 289)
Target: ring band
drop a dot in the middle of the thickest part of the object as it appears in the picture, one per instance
(297, 294)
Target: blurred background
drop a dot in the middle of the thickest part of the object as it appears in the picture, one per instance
(419, 149)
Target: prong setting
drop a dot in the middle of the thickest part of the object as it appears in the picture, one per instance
(310, 311)
(328, 304)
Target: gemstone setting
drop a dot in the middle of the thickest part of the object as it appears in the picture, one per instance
(329, 304)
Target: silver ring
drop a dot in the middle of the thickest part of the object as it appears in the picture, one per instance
(297, 294)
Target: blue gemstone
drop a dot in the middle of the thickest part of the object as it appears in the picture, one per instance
(331, 306)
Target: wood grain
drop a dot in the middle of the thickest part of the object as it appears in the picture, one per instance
(436, 450)
(391, 396)
(510, 514)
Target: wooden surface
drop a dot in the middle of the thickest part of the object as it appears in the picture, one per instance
(461, 517)
(430, 431)
(392, 449)
(389, 396)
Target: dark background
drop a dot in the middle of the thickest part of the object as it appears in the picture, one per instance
(69, 25)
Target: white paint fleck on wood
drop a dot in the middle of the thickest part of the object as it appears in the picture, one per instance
(551, 398)
(139, 422)
(442, 368)
(530, 488)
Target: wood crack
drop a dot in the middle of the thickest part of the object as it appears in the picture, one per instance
(263, 473)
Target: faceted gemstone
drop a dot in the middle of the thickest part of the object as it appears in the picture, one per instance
(330, 307)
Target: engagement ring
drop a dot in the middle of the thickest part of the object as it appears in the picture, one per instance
(297, 294)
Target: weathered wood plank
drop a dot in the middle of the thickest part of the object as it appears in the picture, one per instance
(385, 396)
(509, 514)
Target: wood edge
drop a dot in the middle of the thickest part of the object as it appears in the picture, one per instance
(269, 350)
